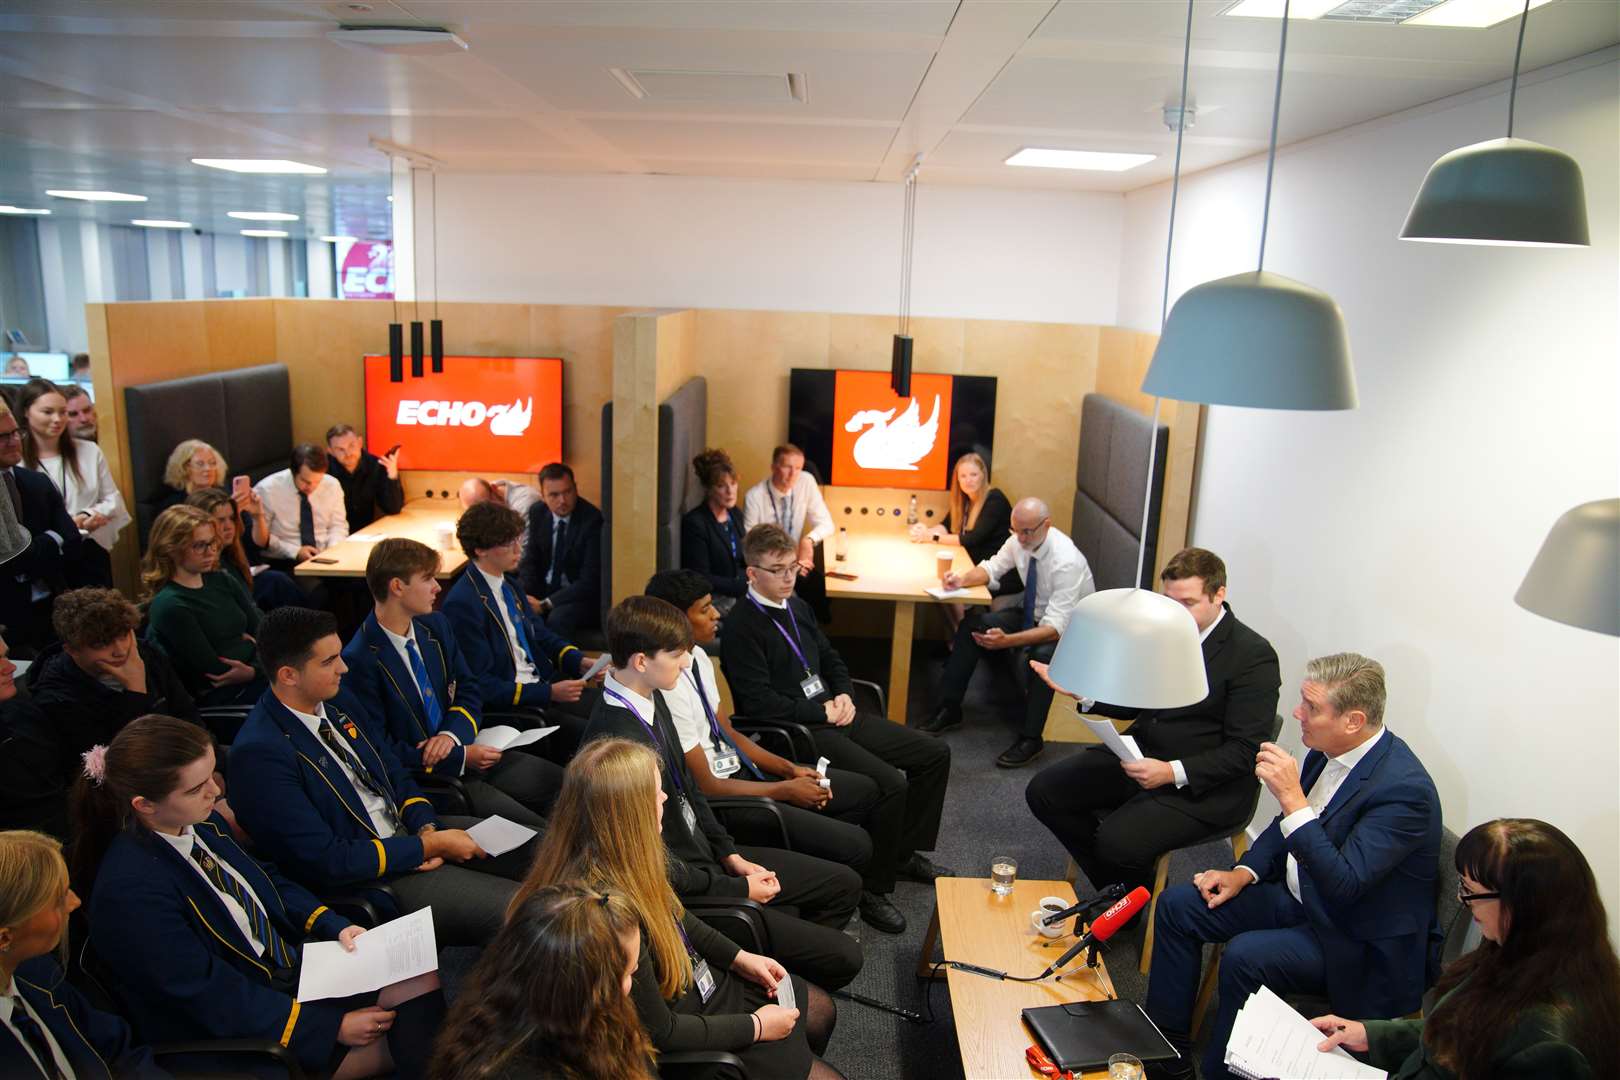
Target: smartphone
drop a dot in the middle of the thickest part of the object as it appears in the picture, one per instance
(841, 575)
(239, 486)
(323, 560)
(392, 449)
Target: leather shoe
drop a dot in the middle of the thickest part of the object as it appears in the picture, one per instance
(944, 718)
(1179, 1067)
(1020, 753)
(878, 913)
(919, 867)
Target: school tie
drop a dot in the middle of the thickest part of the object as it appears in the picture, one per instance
(1031, 576)
(346, 755)
(559, 541)
(509, 595)
(306, 521)
(34, 1036)
(275, 948)
(430, 701)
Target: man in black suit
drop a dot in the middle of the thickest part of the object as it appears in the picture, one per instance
(1198, 776)
(562, 560)
(29, 580)
(371, 485)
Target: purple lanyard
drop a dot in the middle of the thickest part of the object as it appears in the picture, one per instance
(793, 640)
(714, 725)
(674, 772)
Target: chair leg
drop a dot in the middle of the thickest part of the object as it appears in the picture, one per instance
(1161, 874)
(1206, 990)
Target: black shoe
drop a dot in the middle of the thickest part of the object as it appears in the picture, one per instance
(944, 718)
(1021, 753)
(878, 913)
(1179, 1067)
(919, 867)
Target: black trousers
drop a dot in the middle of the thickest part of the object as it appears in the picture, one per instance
(965, 656)
(910, 770)
(572, 717)
(468, 899)
(565, 620)
(806, 919)
(1123, 845)
(520, 788)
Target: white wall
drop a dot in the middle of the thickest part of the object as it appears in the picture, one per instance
(666, 241)
(1488, 407)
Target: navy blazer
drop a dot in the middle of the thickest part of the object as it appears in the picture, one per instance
(581, 557)
(42, 560)
(382, 682)
(303, 812)
(474, 614)
(184, 968)
(1367, 870)
(96, 1044)
(714, 549)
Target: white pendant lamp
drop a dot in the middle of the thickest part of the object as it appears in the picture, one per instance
(1575, 578)
(1502, 191)
(14, 538)
(1256, 339)
(1134, 647)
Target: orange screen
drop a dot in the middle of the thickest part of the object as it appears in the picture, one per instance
(493, 414)
(880, 440)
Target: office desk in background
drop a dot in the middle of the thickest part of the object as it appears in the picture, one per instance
(419, 520)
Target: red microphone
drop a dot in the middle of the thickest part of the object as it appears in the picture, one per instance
(1106, 925)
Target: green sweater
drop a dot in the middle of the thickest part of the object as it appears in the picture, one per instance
(1533, 1049)
(198, 626)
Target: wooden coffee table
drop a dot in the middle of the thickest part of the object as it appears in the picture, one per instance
(973, 924)
(420, 519)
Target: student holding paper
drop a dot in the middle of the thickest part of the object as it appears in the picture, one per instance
(203, 940)
(407, 670)
(1539, 997)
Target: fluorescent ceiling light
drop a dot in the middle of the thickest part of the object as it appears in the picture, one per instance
(257, 165)
(97, 196)
(264, 232)
(260, 215)
(1471, 13)
(337, 239)
(1093, 160)
(20, 210)
(1273, 9)
(160, 223)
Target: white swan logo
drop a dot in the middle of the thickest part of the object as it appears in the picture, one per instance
(511, 420)
(889, 443)
(506, 420)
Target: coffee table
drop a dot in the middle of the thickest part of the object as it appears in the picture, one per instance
(419, 519)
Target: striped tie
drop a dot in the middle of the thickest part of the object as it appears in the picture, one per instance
(275, 949)
(346, 755)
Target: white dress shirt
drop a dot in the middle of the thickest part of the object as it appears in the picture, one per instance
(686, 711)
(520, 496)
(526, 672)
(644, 705)
(279, 493)
(399, 644)
(8, 1002)
(376, 808)
(92, 490)
(764, 505)
(183, 844)
(1063, 578)
(1176, 767)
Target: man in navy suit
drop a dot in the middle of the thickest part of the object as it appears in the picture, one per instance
(562, 562)
(406, 669)
(30, 580)
(1336, 897)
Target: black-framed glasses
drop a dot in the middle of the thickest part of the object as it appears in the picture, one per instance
(781, 572)
(1466, 897)
(1024, 534)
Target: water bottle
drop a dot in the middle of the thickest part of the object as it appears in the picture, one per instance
(843, 543)
(911, 514)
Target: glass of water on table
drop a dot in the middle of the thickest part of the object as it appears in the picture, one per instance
(1003, 872)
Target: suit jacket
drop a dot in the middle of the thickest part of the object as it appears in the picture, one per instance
(42, 561)
(96, 1044)
(1367, 870)
(714, 550)
(581, 557)
(184, 968)
(1216, 739)
(474, 614)
(381, 681)
(303, 812)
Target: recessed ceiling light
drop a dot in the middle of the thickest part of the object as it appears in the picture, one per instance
(160, 223)
(260, 215)
(264, 232)
(337, 239)
(1092, 160)
(257, 165)
(1471, 13)
(97, 196)
(21, 210)
(1273, 9)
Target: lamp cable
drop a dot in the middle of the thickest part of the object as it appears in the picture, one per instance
(1271, 156)
(1513, 90)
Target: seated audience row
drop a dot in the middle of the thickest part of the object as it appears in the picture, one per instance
(79, 472)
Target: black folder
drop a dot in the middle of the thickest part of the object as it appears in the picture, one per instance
(1085, 1034)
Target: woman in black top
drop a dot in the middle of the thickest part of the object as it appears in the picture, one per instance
(712, 532)
(984, 516)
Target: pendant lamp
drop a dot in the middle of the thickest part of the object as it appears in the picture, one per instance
(1135, 647)
(1256, 339)
(14, 538)
(900, 353)
(1575, 578)
(1502, 191)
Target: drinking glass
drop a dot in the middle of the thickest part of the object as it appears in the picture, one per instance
(1003, 872)
(1124, 1067)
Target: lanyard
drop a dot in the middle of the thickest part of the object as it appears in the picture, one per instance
(708, 711)
(794, 641)
(658, 741)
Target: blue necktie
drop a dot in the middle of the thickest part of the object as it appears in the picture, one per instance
(559, 539)
(1030, 577)
(275, 947)
(430, 701)
(510, 596)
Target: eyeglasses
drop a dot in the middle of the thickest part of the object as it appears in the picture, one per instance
(203, 547)
(1025, 533)
(781, 573)
(1044, 1065)
(14, 433)
(1466, 897)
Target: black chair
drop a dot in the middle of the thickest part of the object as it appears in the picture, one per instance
(224, 721)
(521, 717)
(743, 921)
(363, 905)
(447, 793)
(753, 819)
(786, 738)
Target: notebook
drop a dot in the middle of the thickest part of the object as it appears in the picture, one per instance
(1085, 1034)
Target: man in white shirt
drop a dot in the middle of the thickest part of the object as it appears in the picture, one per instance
(519, 496)
(791, 499)
(303, 506)
(1055, 577)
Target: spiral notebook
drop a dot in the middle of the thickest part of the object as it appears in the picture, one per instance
(1269, 1038)
(1085, 1034)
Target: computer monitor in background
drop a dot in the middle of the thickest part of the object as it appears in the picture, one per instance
(858, 433)
(54, 366)
(481, 414)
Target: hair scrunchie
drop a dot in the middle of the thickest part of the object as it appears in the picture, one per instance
(95, 764)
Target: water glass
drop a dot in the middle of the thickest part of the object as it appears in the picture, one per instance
(1003, 872)
(1124, 1067)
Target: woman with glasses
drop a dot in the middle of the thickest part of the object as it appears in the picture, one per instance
(1539, 997)
(200, 614)
(270, 589)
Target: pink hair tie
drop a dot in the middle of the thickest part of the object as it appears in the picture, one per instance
(95, 764)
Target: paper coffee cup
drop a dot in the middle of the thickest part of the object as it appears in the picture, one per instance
(447, 536)
(944, 559)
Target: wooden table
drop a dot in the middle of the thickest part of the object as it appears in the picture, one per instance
(419, 520)
(888, 566)
(971, 923)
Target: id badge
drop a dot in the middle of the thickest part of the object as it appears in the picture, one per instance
(812, 686)
(689, 816)
(725, 764)
(704, 978)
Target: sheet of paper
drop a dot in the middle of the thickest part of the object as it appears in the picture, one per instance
(939, 592)
(497, 835)
(1270, 1038)
(505, 737)
(368, 537)
(784, 994)
(402, 949)
(597, 668)
(1123, 746)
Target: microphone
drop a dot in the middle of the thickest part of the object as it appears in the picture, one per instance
(1106, 895)
(1106, 925)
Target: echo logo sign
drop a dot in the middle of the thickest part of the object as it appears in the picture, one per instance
(484, 413)
(883, 440)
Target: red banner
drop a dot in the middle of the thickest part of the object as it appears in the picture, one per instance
(481, 414)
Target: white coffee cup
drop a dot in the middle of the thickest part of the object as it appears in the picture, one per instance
(944, 559)
(1050, 905)
(447, 536)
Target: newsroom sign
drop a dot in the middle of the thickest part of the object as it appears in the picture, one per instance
(366, 271)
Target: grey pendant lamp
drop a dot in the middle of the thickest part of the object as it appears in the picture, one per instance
(14, 538)
(1575, 578)
(1256, 339)
(1502, 191)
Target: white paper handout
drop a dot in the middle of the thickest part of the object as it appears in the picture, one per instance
(784, 994)
(1123, 746)
(504, 736)
(939, 592)
(396, 950)
(596, 669)
(496, 835)
(1269, 1038)
(368, 537)
(822, 765)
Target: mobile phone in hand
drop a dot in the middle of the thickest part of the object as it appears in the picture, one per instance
(239, 486)
(392, 449)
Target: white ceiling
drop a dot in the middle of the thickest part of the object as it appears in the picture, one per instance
(122, 93)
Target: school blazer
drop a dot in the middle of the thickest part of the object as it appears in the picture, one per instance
(474, 614)
(184, 968)
(1367, 870)
(96, 1044)
(302, 811)
(381, 681)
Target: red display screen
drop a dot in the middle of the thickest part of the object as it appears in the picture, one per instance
(481, 414)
